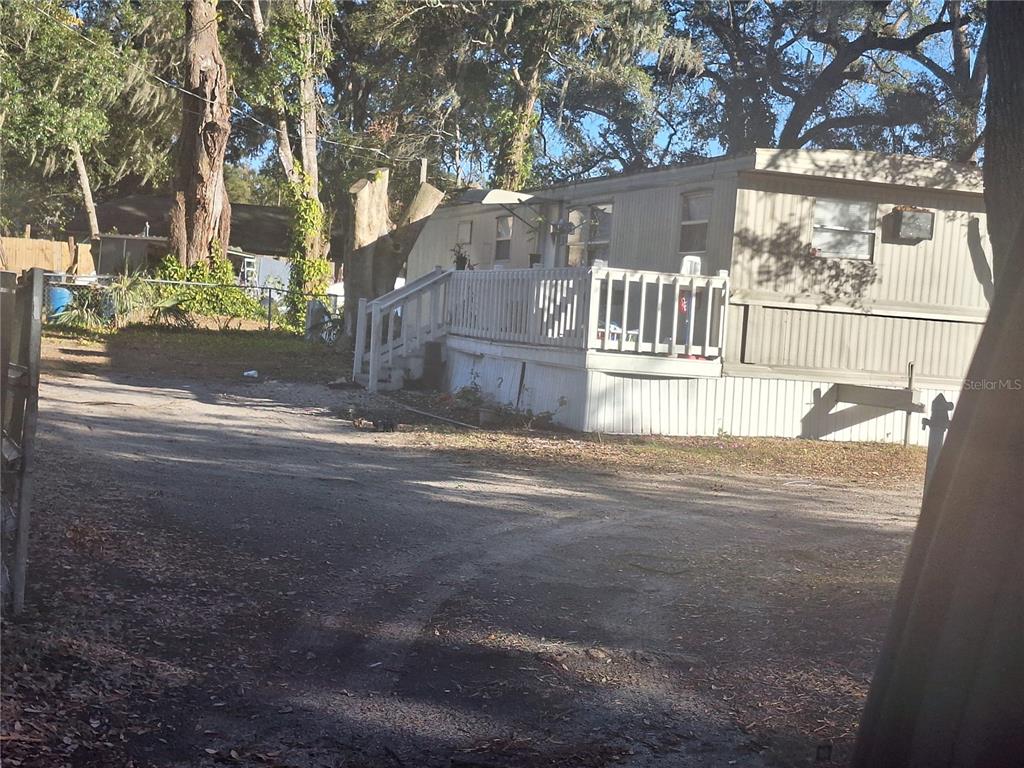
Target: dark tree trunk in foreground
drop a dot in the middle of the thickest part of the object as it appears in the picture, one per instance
(949, 688)
(1004, 129)
(201, 214)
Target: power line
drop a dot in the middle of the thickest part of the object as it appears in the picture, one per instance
(215, 102)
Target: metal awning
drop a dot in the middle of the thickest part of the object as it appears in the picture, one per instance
(502, 197)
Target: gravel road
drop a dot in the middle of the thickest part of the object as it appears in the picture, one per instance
(405, 606)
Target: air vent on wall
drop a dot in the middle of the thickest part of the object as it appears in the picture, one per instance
(914, 224)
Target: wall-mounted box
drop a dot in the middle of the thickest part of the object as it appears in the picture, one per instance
(915, 224)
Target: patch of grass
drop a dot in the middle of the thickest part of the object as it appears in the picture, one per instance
(75, 333)
(195, 352)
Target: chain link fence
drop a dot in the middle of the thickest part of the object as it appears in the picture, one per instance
(112, 301)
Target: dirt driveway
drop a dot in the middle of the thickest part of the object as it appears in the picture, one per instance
(230, 574)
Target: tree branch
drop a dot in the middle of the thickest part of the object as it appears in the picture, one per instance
(882, 119)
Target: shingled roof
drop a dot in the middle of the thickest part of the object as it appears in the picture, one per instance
(259, 229)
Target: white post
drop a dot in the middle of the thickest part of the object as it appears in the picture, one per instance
(405, 334)
(374, 347)
(709, 295)
(691, 310)
(657, 317)
(392, 323)
(360, 350)
(607, 310)
(724, 274)
(435, 310)
(937, 425)
(643, 309)
(675, 316)
(625, 311)
(417, 319)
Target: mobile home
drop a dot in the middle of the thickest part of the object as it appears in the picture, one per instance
(780, 293)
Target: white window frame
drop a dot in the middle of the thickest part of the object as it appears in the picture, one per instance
(497, 239)
(685, 222)
(871, 233)
(584, 230)
(459, 240)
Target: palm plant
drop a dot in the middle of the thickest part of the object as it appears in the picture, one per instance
(131, 299)
(85, 310)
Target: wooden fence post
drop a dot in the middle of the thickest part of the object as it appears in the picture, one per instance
(936, 424)
(360, 346)
(31, 329)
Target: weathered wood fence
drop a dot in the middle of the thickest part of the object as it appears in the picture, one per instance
(21, 310)
(20, 253)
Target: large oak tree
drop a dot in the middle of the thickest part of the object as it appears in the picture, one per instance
(201, 212)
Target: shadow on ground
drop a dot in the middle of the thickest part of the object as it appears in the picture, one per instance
(266, 585)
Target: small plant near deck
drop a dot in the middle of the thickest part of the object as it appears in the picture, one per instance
(460, 257)
(470, 395)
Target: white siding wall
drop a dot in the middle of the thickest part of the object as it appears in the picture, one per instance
(437, 239)
(740, 406)
(873, 345)
(595, 401)
(922, 302)
(773, 224)
(645, 222)
(544, 388)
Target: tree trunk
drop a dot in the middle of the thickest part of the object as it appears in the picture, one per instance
(948, 688)
(379, 248)
(201, 216)
(83, 182)
(308, 98)
(393, 252)
(284, 143)
(1004, 139)
(512, 164)
(370, 222)
(309, 101)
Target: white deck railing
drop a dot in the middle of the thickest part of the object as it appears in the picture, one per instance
(604, 309)
(657, 313)
(399, 323)
(546, 307)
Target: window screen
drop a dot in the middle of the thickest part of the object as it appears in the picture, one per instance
(590, 238)
(693, 228)
(503, 239)
(844, 229)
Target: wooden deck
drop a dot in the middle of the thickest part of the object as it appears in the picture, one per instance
(600, 318)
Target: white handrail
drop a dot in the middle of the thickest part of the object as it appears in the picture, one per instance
(392, 325)
(396, 296)
(607, 309)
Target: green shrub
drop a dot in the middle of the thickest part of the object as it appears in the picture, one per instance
(88, 308)
(223, 300)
